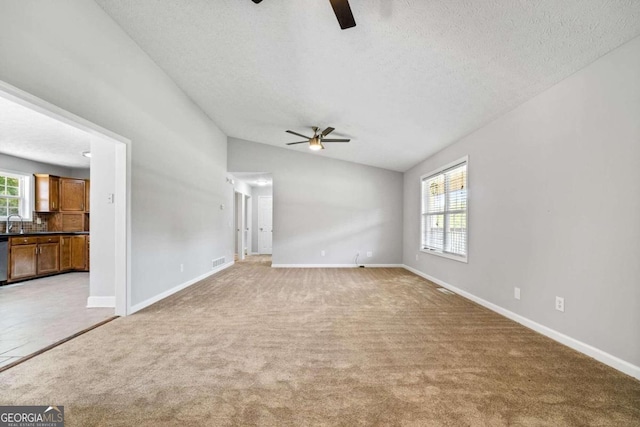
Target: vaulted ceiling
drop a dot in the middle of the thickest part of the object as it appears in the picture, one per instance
(412, 77)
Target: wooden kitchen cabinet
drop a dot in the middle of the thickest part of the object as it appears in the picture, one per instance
(48, 255)
(23, 257)
(65, 221)
(65, 253)
(41, 255)
(72, 195)
(78, 252)
(47, 193)
(87, 193)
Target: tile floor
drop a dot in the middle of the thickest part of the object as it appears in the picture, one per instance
(40, 312)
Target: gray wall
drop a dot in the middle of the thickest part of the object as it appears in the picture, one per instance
(30, 167)
(326, 204)
(554, 199)
(257, 192)
(75, 56)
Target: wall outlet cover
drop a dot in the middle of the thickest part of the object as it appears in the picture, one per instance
(560, 304)
(322, 253)
(516, 293)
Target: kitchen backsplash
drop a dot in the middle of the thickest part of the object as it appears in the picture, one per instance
(29, 227)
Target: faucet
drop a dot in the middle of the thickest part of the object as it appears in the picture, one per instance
(10, 227)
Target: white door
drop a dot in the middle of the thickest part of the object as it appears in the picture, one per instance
(265, 224)
(239, 199)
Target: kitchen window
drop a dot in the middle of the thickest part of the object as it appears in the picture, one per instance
(444, 211)
(15, 195)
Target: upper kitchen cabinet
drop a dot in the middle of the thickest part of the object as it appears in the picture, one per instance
(72, 194)
(47, 193)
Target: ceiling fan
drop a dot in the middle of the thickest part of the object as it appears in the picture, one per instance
(317, 140)
(342, 10)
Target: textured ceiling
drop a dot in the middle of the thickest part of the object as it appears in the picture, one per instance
(411, 78)
(30, 135)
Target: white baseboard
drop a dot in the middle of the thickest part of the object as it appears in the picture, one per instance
(163, 295)
(596, 353)
(336, 265)
(95, 302)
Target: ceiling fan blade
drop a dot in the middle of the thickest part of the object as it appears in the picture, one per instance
(335, 140)
(301, 142)
(298, 134)
(327, 131)
(343, 12)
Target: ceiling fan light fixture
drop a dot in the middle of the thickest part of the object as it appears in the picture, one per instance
(314, 144)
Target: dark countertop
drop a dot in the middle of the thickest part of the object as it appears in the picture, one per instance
(43, 233)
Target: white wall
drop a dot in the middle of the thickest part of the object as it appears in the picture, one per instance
(326, 204)
(257, 192)
(554, 191)
(75, 56)
(102, 220)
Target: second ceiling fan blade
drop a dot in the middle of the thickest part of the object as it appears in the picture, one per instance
(335, 140)
(327, 131)
(298, 134)
(301, 142)
(343, 12)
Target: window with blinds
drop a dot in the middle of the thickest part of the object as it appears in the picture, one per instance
(444, 211)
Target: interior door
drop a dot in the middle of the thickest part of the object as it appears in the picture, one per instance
(265, 224)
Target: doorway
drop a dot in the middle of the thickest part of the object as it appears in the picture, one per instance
(108, 258)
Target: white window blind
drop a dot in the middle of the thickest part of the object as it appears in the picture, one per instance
(444, 211)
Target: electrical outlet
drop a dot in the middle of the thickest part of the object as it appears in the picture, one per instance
(516, 293)
(110, 197)
(560, 304)
(369, 254)
(322, 253)
(38, 220)
(181, 268)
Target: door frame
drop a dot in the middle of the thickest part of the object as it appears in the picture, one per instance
(122, 197)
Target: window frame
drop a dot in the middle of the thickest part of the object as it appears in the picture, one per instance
(461, 258)
(26, 198)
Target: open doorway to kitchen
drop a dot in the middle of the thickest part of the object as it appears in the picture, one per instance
(254, 211)
(63, 233)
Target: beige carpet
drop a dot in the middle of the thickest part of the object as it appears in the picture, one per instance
(294, 347)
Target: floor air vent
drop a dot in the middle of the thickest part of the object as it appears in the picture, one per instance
(217, 262)
(446, 291)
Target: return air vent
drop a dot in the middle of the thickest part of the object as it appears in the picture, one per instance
(446, 291)
(217, 262)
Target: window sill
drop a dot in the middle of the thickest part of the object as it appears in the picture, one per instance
(446, 255)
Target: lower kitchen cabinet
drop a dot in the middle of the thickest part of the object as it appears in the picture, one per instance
(65, 253)
(24, 261)
(48, 255)
(35, 256)
(78, 252)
